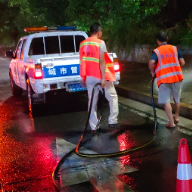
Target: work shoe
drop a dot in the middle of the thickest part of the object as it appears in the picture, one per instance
(94, 131)
(113, 125)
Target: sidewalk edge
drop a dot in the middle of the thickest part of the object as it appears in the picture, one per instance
(185, 109)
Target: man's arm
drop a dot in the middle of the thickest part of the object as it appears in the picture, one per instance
(180, 57)
(151, 67)
(102, 67)
(182, 62)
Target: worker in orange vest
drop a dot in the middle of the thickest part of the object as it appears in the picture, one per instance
(166, 62)
(97, 67)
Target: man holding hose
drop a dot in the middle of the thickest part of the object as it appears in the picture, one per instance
(97, 67)
(166, 62)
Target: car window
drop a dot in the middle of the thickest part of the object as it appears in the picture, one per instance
(17, 50)
(23, 48)
(78, 39)
(67, 44)
(37, 46)
(52, 45)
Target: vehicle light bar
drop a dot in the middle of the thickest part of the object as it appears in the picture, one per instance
(59, 28)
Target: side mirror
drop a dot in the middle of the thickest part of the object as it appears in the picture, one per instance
(9, 54)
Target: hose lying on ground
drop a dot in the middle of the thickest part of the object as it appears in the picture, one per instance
(81, 142)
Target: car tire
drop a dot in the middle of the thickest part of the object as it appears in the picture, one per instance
(30, 92)
(16, 91)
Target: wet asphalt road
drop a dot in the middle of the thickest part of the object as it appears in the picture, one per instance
(28, 144)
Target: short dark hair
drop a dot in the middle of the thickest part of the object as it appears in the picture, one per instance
(95, 27)
(162, 36)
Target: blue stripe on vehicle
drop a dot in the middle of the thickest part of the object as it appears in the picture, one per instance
(60, 71)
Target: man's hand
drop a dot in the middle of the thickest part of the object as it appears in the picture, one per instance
(152, 67)
(182, 62)
(153, 74)
(103, 83)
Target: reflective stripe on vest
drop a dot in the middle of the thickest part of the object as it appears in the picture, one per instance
(90, 59)
(90, 43)
(168, 69)
(169, 75)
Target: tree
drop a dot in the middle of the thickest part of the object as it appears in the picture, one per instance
(125, 22)
(18, 14)
(7, 22)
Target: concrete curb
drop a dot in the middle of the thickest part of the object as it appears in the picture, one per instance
(185, 109)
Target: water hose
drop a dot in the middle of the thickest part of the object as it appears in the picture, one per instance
(104, 154)
(153, 105)
(81, 142)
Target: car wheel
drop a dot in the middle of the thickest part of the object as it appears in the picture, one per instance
(16, 91)
(30, 92)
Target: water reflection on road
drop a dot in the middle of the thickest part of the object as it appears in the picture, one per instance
(29, 150)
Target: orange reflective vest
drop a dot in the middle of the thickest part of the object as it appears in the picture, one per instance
(90, 60)
(168, 69)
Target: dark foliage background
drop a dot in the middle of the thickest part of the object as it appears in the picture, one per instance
(125, 22)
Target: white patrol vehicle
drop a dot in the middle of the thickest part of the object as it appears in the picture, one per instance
(48, 60)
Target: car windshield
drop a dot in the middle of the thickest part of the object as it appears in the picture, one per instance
(55, 44)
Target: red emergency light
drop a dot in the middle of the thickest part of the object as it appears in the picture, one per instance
(38, 72)
(116, 65)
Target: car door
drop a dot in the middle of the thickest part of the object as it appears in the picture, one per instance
(14, 63)
(20, 65)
